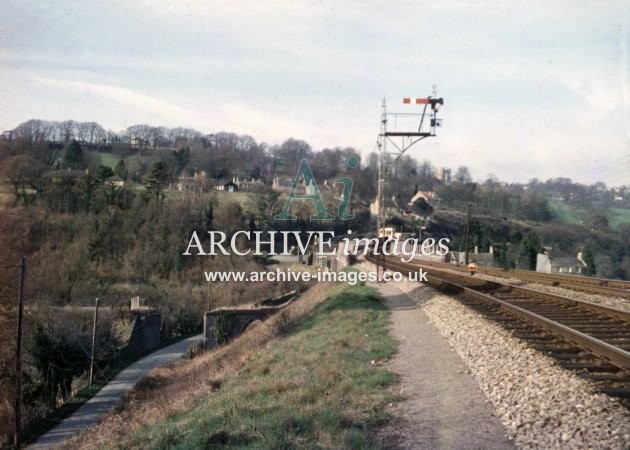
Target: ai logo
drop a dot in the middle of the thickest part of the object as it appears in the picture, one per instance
(312, 193)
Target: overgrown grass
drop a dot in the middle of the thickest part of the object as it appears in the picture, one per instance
(317, 387)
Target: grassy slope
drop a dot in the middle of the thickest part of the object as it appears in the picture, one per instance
(108, 159)
(242, 198)
(617, 216)
(315, 387)
(568, 214)
(565, 213)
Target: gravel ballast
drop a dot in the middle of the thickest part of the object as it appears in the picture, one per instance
(540, 404)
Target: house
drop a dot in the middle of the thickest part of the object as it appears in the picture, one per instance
(230, 186)
(137, 142)
(248, 185)
(477, 257)
(115, 181)
(428, 196)
(286, 184)
(442, 174)
(187, 184)
(422, 203)
(388, 232)
(548, 264)
(281, 185)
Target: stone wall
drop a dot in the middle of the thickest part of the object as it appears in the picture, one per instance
(243, 317)
(145, 332)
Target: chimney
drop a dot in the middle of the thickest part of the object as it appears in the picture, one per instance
(491, 250)
(476, 249)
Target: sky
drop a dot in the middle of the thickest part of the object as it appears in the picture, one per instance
(532, 89)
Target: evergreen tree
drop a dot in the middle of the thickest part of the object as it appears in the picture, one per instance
(104, 172)
(121, 170)
(207, 214)
(182, 157)
(73, 156)
(530, 246)
(157, 179)
(589, 259)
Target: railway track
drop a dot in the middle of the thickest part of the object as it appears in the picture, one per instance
(591, 285)
(615, 288)
(590, 339)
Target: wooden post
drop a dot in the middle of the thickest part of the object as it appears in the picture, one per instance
(18, 359)
(93, 342)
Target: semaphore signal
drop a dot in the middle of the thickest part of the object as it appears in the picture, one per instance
(402, 137)
(416, 101)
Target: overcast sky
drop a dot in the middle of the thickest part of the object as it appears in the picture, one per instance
(531, 89)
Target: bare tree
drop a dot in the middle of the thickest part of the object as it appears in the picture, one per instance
(68, 128)
(462, 176)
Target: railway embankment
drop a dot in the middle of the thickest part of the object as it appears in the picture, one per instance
(309, 376)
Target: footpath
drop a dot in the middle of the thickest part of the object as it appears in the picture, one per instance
(92, 411)
(443, 408)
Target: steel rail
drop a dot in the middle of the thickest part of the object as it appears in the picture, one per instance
(615, 355)
(615, 288)
(601, 286)
(601, 309)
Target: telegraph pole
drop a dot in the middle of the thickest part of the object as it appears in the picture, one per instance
(93, 341)
(18, 359)
(380, 194)
(468, 230)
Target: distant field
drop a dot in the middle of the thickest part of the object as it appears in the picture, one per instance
(568, 214)
(565, 213)
(107, 159)
(617, 216)
(111, 159)
(242, 198)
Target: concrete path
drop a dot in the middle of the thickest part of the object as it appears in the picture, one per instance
(92, 411)
(443, 407)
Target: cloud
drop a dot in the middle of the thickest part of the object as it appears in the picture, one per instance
(538, 82)
(625, 77)
(134, 99)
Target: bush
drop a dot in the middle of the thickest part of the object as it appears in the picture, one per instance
(57, 360)
(284, 323)
(223, 327)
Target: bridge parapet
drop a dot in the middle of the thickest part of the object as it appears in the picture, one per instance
(223, 324)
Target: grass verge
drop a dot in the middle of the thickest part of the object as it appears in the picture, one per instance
(319, 386)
